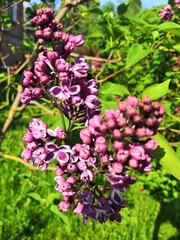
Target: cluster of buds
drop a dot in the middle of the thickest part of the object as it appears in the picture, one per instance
(92, 175)
(166, 13)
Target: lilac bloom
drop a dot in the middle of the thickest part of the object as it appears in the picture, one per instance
(38, 128)
(58, 132)
(65, 91)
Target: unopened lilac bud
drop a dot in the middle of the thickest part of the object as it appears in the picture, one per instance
(147, 100)
(64, 206)
(148, 168)
(117, 134)
(28, 137)
(78, 209)
(47, 33)
(52, 56)
(37, 92)
(57, 35)
(131, 111)
(71, 180)
(85, 135)
(151, 144)
(122, 106)
(133, 163)
(104, 159)
(62, 65)
(122, 155)
(39, 34)
(78, 40)
(26, 97)
(137, 153)
(128, 131)
(44, 79)
(100, 140)
(118, 145)
(109, 115)
(117, 167)
(100, 148)
(121, 121)
(111, 124)
(82, 166)
(133, 101)
(26, 154)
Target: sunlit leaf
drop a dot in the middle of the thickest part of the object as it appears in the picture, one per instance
(167, 156)
(157, 91)
(135, 54)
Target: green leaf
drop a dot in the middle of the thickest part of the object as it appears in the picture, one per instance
(170, 27)
(178, 150)
(135, 54)
(156, 91)
(122, 8)
(34, 196)
(95, 11)
(114, 89)
(166, 154)
(61, 215)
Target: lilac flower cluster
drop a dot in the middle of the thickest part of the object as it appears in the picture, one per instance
(110, 148)
(166, 13)
(41, 142)
(93, 175)
(53, 76)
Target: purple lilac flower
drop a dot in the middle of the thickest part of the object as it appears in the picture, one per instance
(166, 13)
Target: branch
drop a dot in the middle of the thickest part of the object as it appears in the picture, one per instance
(17, 159)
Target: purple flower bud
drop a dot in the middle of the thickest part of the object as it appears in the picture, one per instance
(39, 34)
(78, 40)
(62, 65)
(64, 206)
(128, 131)
(47, 33)
(71, 180)
(26, 154)
(84, 154)
(28, 137)
(111, 123)
(137, 153)
(133, 163)
(117, 167)
(78, 209)
(105, 159)
(151, 144)
(37, 92)
(133, 101)
(52, 56)
(85, 135)
(26, 97)
(82, 166)
(117, 134)
(109, 115)
(100, 148)
(118, 145)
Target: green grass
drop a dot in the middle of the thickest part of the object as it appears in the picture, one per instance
(27, 197)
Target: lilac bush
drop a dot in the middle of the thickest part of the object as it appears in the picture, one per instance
(93, 174)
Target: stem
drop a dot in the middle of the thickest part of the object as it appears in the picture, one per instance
(62, 122)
